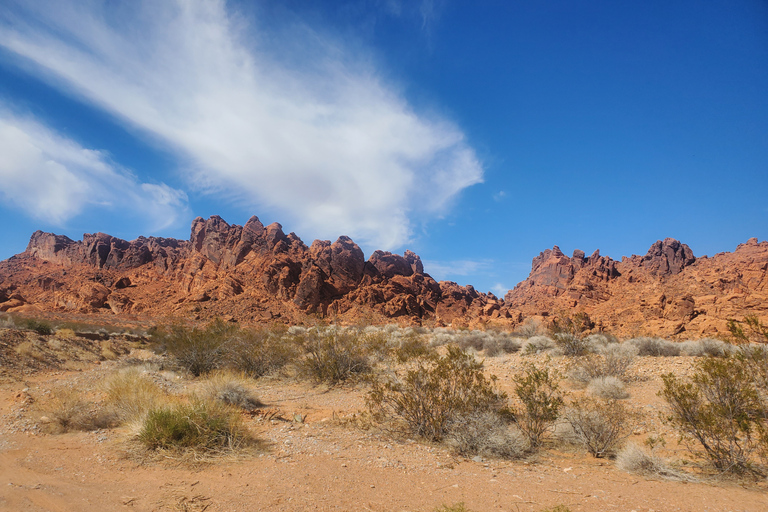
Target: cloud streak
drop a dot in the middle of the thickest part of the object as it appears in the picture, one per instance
(53, 178)
(290, 120)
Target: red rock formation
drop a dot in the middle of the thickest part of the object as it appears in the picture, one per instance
(251, 273)
(257, 273)
(666, 292)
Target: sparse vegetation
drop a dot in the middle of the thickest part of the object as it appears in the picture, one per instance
(487, 434)
(431, 398)
(608, 388)
(333, 355)
(720, 410)
(600, 426)
(538, 345)
(130, 394)
(657, 347)
(539, 391)
(201, 425)
(634, 459)
(231, 389)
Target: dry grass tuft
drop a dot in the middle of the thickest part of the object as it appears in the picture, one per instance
(231, 389)
(634, 459)
(131, 393)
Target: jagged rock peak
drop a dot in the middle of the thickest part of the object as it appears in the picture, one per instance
(667, 257)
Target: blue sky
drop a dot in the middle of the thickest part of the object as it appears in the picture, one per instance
(475, 133)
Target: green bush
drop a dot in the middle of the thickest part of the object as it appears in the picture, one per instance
(39, 326)
(203, 426)
(440, 391)
(198, 351)
(572, 344)
(334, 355)
(539, 391)
(258, 352)
(721, 410)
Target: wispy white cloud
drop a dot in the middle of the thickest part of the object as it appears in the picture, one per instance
(290, 120)
(53, 178)
(499, 196)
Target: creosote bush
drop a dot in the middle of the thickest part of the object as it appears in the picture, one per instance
(431, 398)
(201, 425)
(259, 352)
(539, 391)
(334, 355)
(198, 351)
(571, 344)
(599, 425)
(721, 410)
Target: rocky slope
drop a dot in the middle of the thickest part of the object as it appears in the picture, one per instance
(254, 273)
(245, 273)
(667, 292)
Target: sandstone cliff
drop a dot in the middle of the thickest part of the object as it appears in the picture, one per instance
(257, 273)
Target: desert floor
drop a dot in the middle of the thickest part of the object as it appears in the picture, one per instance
(320, 453)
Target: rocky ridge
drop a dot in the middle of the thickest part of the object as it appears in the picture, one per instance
(257, 273)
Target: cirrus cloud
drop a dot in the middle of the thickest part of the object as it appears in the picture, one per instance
(53, 178)
(291, 120)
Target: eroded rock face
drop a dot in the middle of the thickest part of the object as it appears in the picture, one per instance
(255, 273)
(667, 292)
(668, 257)
(249, 272)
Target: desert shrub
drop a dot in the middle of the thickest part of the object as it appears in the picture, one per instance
(198, 351)
(557, 508)
(259, 352)
(470, 339)
(529, 328)
(575, 324)
(487, 434)
(130, 394)
(720, 410)
(572, 344)
(615, 360)
(333, 355)
(203, 426)
(634, 459)
(230, 389)
(599, 425)
(412, 347)
(539, 391)
(538, 345)
(608, 388)
(706, 347)
(42, 327)
(442, 390)
(655, 347)
(748, 330)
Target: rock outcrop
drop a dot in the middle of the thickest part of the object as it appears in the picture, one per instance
(248, 273)
(257, 273)
(667, 292)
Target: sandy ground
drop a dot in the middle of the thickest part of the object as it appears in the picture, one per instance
(329, 462)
